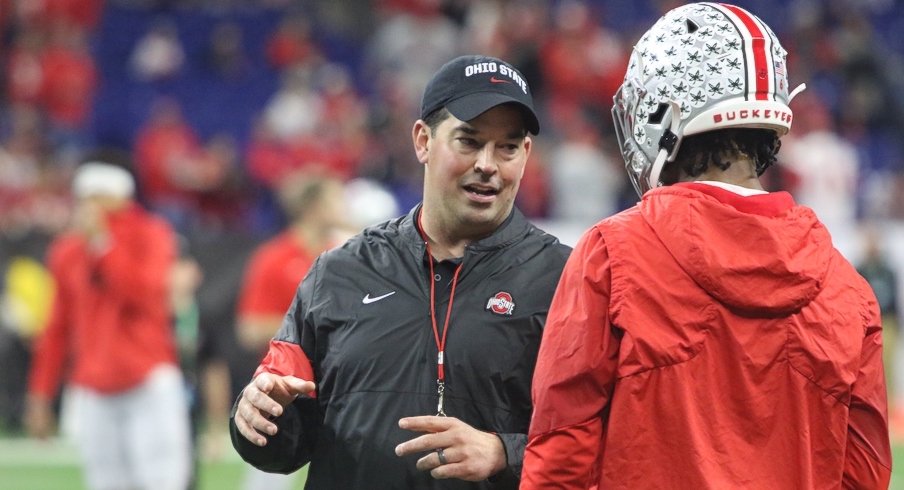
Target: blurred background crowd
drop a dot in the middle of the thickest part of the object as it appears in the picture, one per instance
(215, 103)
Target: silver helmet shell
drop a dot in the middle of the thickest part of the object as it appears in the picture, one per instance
(701, 67)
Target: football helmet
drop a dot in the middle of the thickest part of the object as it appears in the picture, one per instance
(701, 67)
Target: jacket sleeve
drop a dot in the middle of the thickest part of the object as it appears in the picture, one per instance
(575, 375)
(514, 444)
(51, 349)
(294, 442)
(868, 455)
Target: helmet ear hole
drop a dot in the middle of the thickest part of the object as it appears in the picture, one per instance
(691, 26)
(658, 114)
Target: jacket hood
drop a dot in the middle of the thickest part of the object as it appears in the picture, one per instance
(760, 253)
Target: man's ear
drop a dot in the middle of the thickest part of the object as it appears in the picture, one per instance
(528, 144)
(421, 137)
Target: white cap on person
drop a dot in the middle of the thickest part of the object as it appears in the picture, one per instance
(99, 178)
(369, 202)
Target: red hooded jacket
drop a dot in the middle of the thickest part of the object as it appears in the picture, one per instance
(707, 340)
(110, 323)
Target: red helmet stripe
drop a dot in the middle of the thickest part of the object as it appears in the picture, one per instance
(760, 75)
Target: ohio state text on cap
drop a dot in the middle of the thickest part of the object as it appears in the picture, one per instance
(470, 85)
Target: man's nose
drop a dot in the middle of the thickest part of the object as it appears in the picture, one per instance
(486, 160)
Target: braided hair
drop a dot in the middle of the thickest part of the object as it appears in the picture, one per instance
(699, 151)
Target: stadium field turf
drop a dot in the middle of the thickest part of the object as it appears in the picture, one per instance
(35, 465)
(29, 465)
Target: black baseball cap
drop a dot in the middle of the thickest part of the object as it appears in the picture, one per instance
(470, 85)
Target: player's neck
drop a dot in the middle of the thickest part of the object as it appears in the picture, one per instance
(742, 172)
(312, 237)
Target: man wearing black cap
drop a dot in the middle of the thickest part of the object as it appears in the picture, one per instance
(406, 356)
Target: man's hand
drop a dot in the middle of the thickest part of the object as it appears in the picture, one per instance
(89, 219)
(470, 454)
(264, 399)
(38, 418)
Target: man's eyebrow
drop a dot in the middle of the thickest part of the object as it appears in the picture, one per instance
(517, 134)
(470, 130)
(467, 129)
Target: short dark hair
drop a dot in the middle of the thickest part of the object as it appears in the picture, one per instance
(699, 151)
(297, 192)
(435, 118)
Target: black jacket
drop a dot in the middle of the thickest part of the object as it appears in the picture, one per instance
(374, 362)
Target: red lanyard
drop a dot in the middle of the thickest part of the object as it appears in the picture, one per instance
(440, 342)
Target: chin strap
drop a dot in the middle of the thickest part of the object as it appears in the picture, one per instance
(668, 145)
(656, 170)
(798, 89)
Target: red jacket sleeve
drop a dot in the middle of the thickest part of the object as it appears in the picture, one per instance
(287, 359)
(575, 375)
(50, 352)
(868, 455)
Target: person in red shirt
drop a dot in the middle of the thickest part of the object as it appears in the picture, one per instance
(24, 69)
(710, 336)
(580, 59)
(166, 147)
(110, 335)
(316, 210)
(291, 44)
(69, 78)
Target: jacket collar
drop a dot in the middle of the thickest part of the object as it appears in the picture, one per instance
(512, 229)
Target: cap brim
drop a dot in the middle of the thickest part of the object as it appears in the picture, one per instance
(472, 105)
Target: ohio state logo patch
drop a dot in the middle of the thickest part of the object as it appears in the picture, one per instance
(501, 303)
